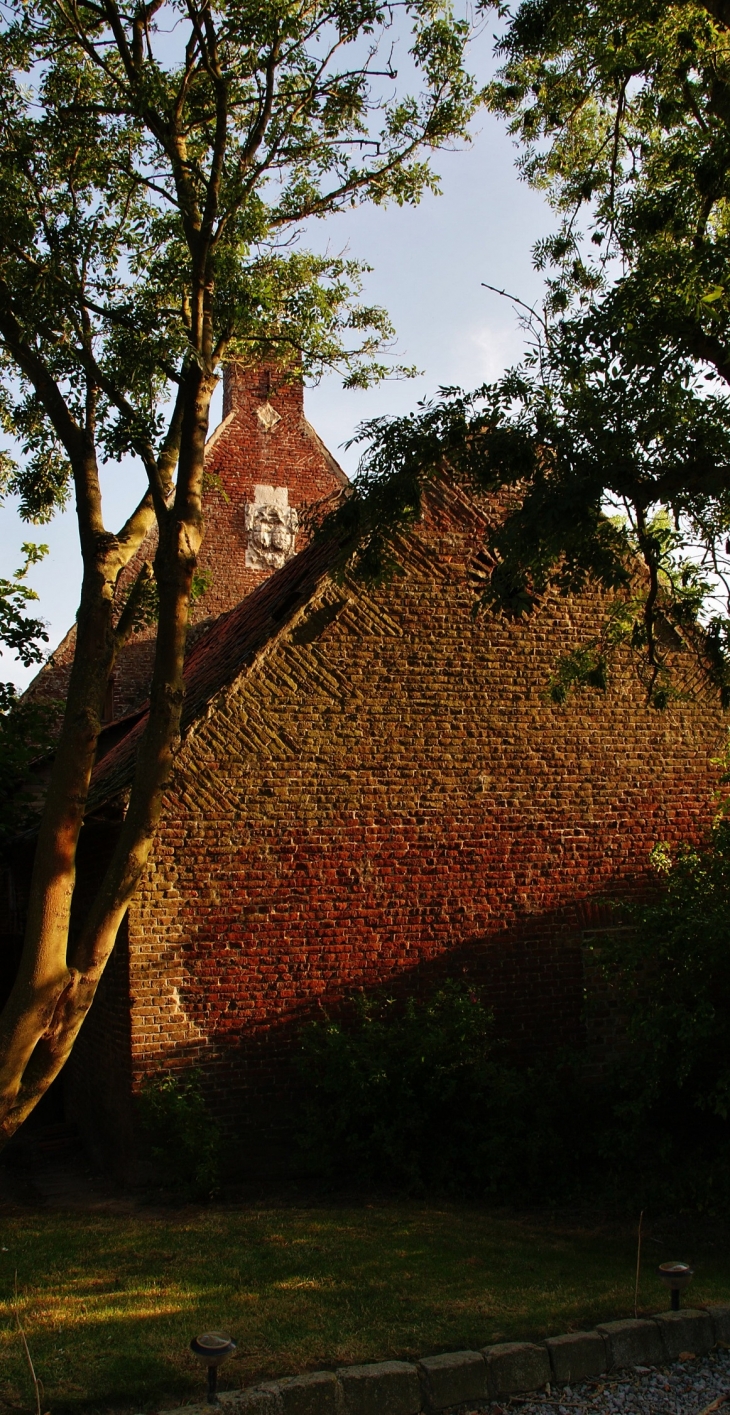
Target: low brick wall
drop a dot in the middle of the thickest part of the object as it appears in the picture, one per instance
(468, 1378)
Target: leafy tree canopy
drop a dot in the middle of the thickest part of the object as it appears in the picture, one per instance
(622, 113)
(26, 728)
(157, 162)
(592, 474)
(141, 149)
(613, 438)
(19, 631)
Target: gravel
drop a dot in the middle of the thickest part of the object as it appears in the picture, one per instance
(693, 1387)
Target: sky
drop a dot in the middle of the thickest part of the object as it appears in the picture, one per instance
(429, 264)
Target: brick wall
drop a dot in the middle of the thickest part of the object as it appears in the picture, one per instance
(97, 1079)
(243, 452)
(389, 795)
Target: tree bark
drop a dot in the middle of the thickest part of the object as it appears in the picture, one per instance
(54, 989)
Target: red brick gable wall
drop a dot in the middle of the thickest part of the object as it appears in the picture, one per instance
(389, 795)
(245, 453)
(281, 451)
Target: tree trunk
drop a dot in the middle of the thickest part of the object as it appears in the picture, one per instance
(54, 990)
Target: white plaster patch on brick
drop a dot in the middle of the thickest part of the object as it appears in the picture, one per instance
(272, 528)
(267, 416)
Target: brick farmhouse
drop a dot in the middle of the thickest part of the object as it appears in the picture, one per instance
(373, 787)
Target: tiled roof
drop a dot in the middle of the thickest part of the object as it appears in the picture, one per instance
(215, 660)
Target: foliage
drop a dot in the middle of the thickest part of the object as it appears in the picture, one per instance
(125, 163)
(183, 1138)
(158, 165)
(622, 114)
(672, 968)
(418, 1096)
(665, 1134)
(28, 729)
(584, 667)
(621, 110)
(611, 441)
(17, 631)
(592, 471)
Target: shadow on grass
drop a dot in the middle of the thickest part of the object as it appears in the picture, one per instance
(110, 1302)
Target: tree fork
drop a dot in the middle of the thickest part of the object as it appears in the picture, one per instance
(80, 312)
(48, 1018)
(43, 972)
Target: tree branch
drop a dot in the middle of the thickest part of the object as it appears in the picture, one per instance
(35, 370)
(126, 621)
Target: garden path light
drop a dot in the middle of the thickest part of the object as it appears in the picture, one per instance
(212, 1348)
(675, 1276)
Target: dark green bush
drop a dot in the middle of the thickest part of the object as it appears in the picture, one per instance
(421, 1097)
(182, 1138)
(28, 730)
(673, 970)
(669, 1127)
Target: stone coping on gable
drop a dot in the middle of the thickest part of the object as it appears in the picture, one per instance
(471, 1378)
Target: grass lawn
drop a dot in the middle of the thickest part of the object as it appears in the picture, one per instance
(109, 1302)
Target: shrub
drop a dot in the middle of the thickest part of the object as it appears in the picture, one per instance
(28, 730)
(670, 1114)
(421, 1097)
(182, 1138)
(673, 970)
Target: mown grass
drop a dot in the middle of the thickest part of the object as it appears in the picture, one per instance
(110, 1302)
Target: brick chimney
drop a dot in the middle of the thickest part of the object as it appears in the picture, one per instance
(256, 385)
(265, 466)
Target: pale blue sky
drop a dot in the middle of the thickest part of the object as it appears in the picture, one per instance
(428, 264)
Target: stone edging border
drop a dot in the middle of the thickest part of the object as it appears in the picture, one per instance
(459, 1378)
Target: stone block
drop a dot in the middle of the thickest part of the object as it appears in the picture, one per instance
(194, 1410)
(317, 1393)
(577, 1356)
(687, 1330)
(633, 1342)
(720, 1317)
(453, 1378)
(516, 1366)
(254, 1400)
(383, 1388)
